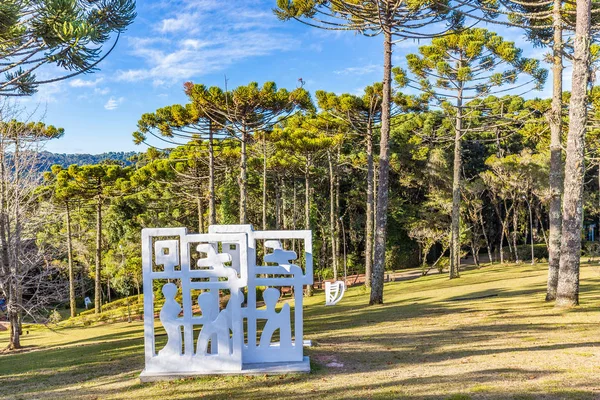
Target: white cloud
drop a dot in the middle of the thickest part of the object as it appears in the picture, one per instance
(364, 70)
(113, 103)
(183, 22)
(204, 37)
(79, 83)
(101, 91)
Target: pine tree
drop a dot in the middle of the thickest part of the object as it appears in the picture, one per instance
(459, 68)
(68, 34)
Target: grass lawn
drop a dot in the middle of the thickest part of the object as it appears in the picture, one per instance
(422, 344)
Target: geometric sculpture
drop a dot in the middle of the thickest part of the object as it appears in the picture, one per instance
(334, 292)
(212, 321)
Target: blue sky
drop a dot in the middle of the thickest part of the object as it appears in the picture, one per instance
(207, 41)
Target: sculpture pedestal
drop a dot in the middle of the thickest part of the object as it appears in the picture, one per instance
(302, 367)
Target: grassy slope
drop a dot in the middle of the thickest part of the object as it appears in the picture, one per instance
(420, 344)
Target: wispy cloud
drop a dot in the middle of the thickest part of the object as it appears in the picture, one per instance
(101, 91)
(204, 37)
(364, 70)
(113, 103)
(81, 83)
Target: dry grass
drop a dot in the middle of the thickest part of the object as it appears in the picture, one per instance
(422, 344)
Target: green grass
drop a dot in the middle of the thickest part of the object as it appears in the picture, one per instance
(421, 344)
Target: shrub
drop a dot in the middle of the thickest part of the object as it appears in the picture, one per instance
(540, 251)
(54, 317)
(443, 264)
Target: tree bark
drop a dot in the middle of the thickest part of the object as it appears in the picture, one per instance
(384, 170)
(279, 211)
(370, 208)
(515, 230)
(212, 210)
(200, 209)
(73, 305)
(556, 167)
(243, 181)
(457, 167)
(12, 305)
(98, 287)
(264, 186)
(294, 209)
(485, 236)
(338, 227)
(309, 288)
(332, 222)
(567, 293)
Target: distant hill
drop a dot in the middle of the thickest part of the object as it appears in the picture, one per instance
(48, 159)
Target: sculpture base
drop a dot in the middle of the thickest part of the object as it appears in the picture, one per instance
(301, 367)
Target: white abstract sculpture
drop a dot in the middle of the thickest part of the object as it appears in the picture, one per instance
(196, 273)
(334, 292)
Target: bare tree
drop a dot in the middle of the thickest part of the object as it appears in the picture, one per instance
(28, 280)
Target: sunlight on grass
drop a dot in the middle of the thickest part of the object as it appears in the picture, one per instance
(431, 340)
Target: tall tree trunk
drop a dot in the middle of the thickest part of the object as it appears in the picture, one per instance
(332, 222)
(384, 170)
(338, 227)
(370, 214)
(12, 305)
(375, 189)
(506, 226)
(567, 293)
(264, 187)
(73, 305)
(309, 288)
(200, 209)
(212, 209)
(543, 230)
(294, 209)
(13, 319)
(485, 236)
(457, 168)
(515, 231)
(279, 212)
(98, 288)
(243, 181)
(108, 288)
(501, 244)
(556, 167)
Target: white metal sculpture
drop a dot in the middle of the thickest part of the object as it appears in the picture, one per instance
(210, 313)
(334, 292)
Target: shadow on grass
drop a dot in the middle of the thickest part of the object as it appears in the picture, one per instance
(94, 363)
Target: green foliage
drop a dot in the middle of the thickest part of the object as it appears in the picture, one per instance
(68, 34)
(540, 252)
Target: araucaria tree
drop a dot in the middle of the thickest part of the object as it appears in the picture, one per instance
(455, 71)
(394, 20)
(97, 184)
(68, 34)
(362, 114)
(567, 293)
(178, 124)
(245, 111)
(65, 194)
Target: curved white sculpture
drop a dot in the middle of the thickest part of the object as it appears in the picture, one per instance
(198, 272)
(334, 292)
